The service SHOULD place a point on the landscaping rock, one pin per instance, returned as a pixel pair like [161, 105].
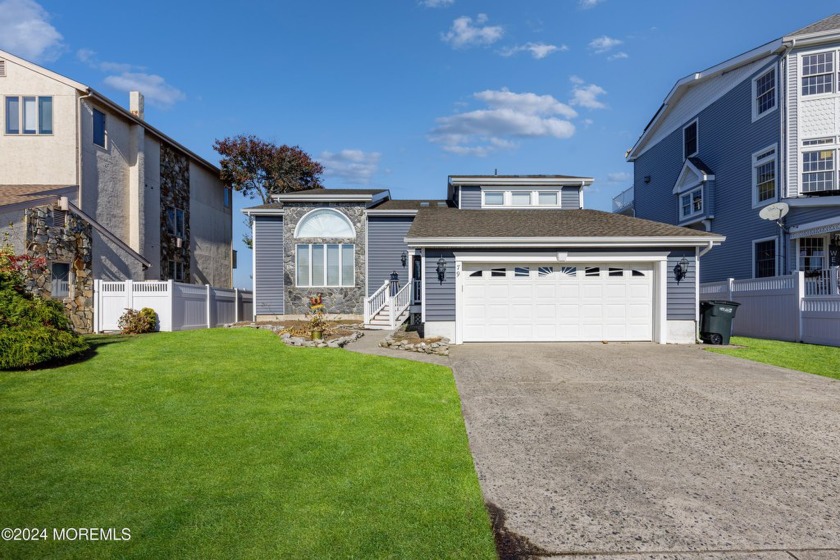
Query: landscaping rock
[440, 347]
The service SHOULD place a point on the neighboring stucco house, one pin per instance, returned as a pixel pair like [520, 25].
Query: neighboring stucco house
[136, 204]
[502, 258]
[758, 129]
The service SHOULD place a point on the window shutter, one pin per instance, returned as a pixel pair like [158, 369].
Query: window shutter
[2, 68]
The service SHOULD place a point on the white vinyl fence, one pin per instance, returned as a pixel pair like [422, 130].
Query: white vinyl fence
[792, 308]
[179, 306]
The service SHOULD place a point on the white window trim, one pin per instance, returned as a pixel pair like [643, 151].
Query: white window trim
[755, 114]
[688, 193]
[340, 266]
[801, 75]
[810, 149]
[697, 150]
[755, 163]
[826, 239]
[755, 242]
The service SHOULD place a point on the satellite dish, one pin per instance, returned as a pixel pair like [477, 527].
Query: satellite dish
[774, 212]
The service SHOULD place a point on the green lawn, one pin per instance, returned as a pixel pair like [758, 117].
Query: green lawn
[226, 444]
[810, 358]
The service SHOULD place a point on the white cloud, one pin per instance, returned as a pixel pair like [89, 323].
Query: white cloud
[436, 3]
[618, 56]
[89, 57]
[586, 4]
[604, 44]
[153, 87]
[537, 50]
[619, 177]
[353, 166]
[27, 32]
[586, 95]
[507, 116]
[464, 34]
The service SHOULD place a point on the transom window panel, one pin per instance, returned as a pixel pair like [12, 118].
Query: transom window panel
[592, 271]
[325, 264]
[690, 140]
[568, 271]
[764, 176]
[691, 203]
[765, 258]
[521, 198]
[616, 272]
[494, 199]
[765, 92]
[29, 115]
[497, 272]
[325, 222]
[818, 171]
[521, 271]
[547, 198]
[545, 271]
[818, 73]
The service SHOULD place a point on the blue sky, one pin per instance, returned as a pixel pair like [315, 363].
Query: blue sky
[402, 93]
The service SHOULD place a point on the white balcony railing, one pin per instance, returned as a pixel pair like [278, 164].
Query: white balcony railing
[623, 200]
[823, 282]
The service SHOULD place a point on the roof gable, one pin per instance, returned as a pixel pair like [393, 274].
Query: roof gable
[825, 25]
[693, 173]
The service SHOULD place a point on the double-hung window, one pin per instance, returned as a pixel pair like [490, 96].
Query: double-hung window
[811, 253]
[818, 171]
[818, 73]
[764, 93]
[764, 176]
[29, 115]
[690, 140]
[691, 203]
[764, 258]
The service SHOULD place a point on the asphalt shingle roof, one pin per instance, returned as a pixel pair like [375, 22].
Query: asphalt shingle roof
[408, 204]
[335, 191]
[15, 194]
[505, 224]
[827, 24]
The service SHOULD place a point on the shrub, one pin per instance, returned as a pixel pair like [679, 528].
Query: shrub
[138, 322]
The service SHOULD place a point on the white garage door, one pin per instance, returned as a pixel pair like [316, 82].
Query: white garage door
[527, 302]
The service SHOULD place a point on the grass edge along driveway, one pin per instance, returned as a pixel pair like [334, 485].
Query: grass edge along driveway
[810, 358]
[224, 443]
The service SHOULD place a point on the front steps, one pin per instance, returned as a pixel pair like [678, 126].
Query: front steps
[381, 322]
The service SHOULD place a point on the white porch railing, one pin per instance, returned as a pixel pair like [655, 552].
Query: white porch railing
[790, 307]
[376, 302]
[399, 303]
[824, 283]
[178, 306]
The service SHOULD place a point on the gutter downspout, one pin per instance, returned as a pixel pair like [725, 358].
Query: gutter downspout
[79, 144]
[706, 249]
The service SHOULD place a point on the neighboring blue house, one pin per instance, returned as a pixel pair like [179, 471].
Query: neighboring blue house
[758, 129]
[502, 258]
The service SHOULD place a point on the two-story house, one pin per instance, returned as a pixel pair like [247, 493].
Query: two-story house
[759, 129]
[101, 193]
[501, 258]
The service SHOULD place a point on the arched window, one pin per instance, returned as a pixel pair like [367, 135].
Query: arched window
[325, 264]
[325, 222]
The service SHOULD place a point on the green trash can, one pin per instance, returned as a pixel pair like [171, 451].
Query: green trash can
[716, 320]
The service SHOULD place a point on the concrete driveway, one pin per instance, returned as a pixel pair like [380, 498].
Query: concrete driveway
[634, 450]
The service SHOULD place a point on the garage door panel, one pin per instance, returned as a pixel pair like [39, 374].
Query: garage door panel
[523, 302]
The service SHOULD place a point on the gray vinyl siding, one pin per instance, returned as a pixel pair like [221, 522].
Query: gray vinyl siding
[439, 297]
[268, 265]
[386, 243]
[570, 198]
[470, 198]
[681, 297]
[727, 139]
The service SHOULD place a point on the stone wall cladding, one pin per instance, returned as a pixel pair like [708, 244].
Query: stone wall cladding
[337, 300]
[70, 244]
[174, 192]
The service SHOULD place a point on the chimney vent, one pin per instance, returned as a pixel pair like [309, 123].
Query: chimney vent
[135, 104]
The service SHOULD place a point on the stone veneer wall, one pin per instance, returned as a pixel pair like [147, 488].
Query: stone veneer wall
[174, 192]
[347, 300]
[70, 244]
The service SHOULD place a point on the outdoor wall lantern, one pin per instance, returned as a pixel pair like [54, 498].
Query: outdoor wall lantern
[441, 269]
[681, 269]
[647, 179]
[404, 258]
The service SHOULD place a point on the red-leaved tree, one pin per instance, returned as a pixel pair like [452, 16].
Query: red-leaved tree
[259, 169]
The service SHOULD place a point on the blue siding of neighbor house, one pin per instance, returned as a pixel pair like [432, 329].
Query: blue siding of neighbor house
[570, 198]
[268, 265]
[727, 139]
[386, 243]
[682, 295]
[440, 296]
[470, 197]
